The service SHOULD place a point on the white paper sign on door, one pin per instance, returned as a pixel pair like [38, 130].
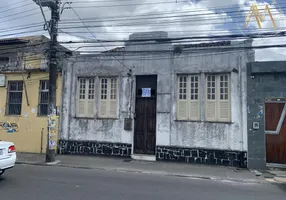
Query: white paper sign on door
[146, 92]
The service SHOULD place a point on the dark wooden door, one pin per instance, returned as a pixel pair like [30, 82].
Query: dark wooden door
[145, 115]
[275, 125]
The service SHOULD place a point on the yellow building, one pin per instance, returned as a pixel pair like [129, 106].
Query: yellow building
[24, 93]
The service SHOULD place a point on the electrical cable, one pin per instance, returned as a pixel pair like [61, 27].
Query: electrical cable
[12, 19]
[269, 34]
[150, 16]
[95, 36]
[11, 4]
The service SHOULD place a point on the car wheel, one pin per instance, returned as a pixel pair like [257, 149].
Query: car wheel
[2, 172]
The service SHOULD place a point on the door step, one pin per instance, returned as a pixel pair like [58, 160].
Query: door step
[143, 157]
[276, 165]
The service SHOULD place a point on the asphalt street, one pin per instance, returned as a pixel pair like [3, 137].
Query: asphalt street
[26, 182]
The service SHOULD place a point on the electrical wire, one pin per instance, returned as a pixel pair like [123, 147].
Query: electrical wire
[153, 24]
[34, 25]
[95, 37]
[7, 51]
[15, 8]
[151, 16]
[233, 36]
[125, 25]
[23, 32]
[24, 16]
[25, 11]
[11, 4]
[152, 3]
[169, 31]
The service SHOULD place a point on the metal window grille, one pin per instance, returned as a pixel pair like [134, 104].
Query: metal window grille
[43, 107]
[14, 100]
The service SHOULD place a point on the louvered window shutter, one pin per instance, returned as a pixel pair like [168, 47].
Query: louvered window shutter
[194, 105]
[182, 103]
[81, 106]
[224, 98]
[112, 108]
[90, 98]
[211, 98]
[103, 100]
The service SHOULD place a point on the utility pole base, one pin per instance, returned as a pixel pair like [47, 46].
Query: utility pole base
[50, 155]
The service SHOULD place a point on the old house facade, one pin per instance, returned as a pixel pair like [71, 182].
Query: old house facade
[266, 114]
[159, 101]
[24, 92]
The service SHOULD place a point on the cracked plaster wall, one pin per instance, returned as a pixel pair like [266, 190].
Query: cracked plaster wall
[166, 65]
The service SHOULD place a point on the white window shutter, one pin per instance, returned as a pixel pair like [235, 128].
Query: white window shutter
[210, 110]
[194, 95]
[112, 97]
[182, 108]
[81, 108]
[90, 108]
[194, 110]
[102, 108]
[224, 111]
[113, 108]
[224, 98]
[81, 104]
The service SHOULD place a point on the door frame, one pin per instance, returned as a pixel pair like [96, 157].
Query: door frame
[280, 122]
[134, 101]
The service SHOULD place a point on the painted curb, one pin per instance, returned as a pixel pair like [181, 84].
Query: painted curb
[192, 176]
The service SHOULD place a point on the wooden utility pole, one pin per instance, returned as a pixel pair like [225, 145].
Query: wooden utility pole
[52, 27]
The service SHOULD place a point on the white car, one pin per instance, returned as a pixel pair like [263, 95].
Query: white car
[7, 156]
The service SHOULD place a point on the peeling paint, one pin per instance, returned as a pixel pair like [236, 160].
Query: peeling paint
[166, 66]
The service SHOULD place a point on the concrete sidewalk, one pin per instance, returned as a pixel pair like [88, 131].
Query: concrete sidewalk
[275, 175]
[159, 168]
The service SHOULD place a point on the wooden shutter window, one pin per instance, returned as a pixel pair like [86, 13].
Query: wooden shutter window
[194, 106]
[182, 105]
[103, 98]
[218, 98]
[224, 104]
[113, 98]
[86, 97]
[90, 98]
[108, 98]
[211, 98]
[188, 101]
[81, 97]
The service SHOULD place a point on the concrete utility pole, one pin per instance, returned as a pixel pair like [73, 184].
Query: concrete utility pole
[52, 26]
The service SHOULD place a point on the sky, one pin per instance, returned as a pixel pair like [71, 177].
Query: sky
[117, 19]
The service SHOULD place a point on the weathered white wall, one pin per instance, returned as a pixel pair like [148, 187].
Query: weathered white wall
[166, 65]
[209, 134]
[109, 130]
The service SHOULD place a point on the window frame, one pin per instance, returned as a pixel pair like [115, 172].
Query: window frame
[192, 84]
[88, 109]
[219, 104]
[110, 100]
[8, 97]
[40, 98]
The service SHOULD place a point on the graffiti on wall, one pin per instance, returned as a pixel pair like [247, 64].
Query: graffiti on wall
[9, 127]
